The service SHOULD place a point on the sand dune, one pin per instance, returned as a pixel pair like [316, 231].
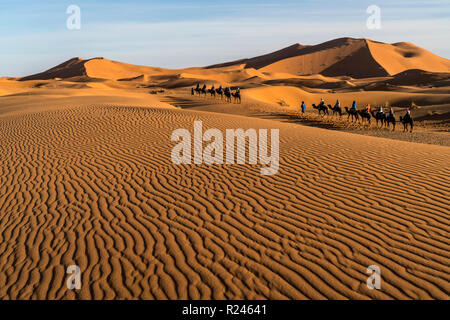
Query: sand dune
[94, 186]
[94, 68]
[86, 178]
[359, 58]
[402, 56]
[294, 96]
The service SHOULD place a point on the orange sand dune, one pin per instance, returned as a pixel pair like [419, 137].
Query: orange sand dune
[95, 187]
[294, 96]
[343, 57]
[402, 56]
[86, 179]
[275, 95]
[94, 68]
[19, 101]
[359, 58]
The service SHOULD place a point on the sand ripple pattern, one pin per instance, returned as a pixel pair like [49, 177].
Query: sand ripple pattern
[95, 187]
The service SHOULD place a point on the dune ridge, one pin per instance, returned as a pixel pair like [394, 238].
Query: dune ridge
[359, 58]
[94, 68]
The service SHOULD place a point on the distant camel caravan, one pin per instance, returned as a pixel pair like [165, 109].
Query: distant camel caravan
[220, 92]
[383, 120]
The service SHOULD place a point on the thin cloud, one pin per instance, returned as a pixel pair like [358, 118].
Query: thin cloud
[196, 42]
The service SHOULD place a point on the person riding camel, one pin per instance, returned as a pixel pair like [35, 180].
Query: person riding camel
[380, 110]
[227, 90]
[204, 87]
[353, 106]
[408, 112]
[391, 112]
[198, 86]
[338, 104]
[322, 102]
[367, 109]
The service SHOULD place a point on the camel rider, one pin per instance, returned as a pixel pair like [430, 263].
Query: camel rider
[408, 112]
[198, 86]
[338, 104]
[227, 89]
[220, 87]
[354, 105]
[204, 87]
[238, 91]
[380, 111]
[322, 102]
[391, 112]
[212, 88]
[367, 108]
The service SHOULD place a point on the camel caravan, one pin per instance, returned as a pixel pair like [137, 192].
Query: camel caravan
[362, 116]
[365, 115]
[220, 92]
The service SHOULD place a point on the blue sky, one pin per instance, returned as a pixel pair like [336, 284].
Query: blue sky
[170, 33]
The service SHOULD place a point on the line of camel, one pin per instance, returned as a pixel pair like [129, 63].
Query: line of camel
[229, 96]
[365, 116]
[356, 115]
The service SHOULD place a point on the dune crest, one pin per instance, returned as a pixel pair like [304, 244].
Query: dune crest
[359, 58]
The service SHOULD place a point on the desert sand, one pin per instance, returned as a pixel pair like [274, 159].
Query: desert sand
[86, 179]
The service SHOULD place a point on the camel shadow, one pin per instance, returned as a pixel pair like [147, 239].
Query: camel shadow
[307, 120]
[184, 103]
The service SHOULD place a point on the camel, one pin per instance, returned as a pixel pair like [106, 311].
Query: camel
[237, 97]
[390, 118]
[365, 116]
[227, 95]
[352, 113]
[203, 90]
[197, 89]
[212, 91]
[219, 91]
[336, 109]
[322, 108]
[407, 119]
[380, 117]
